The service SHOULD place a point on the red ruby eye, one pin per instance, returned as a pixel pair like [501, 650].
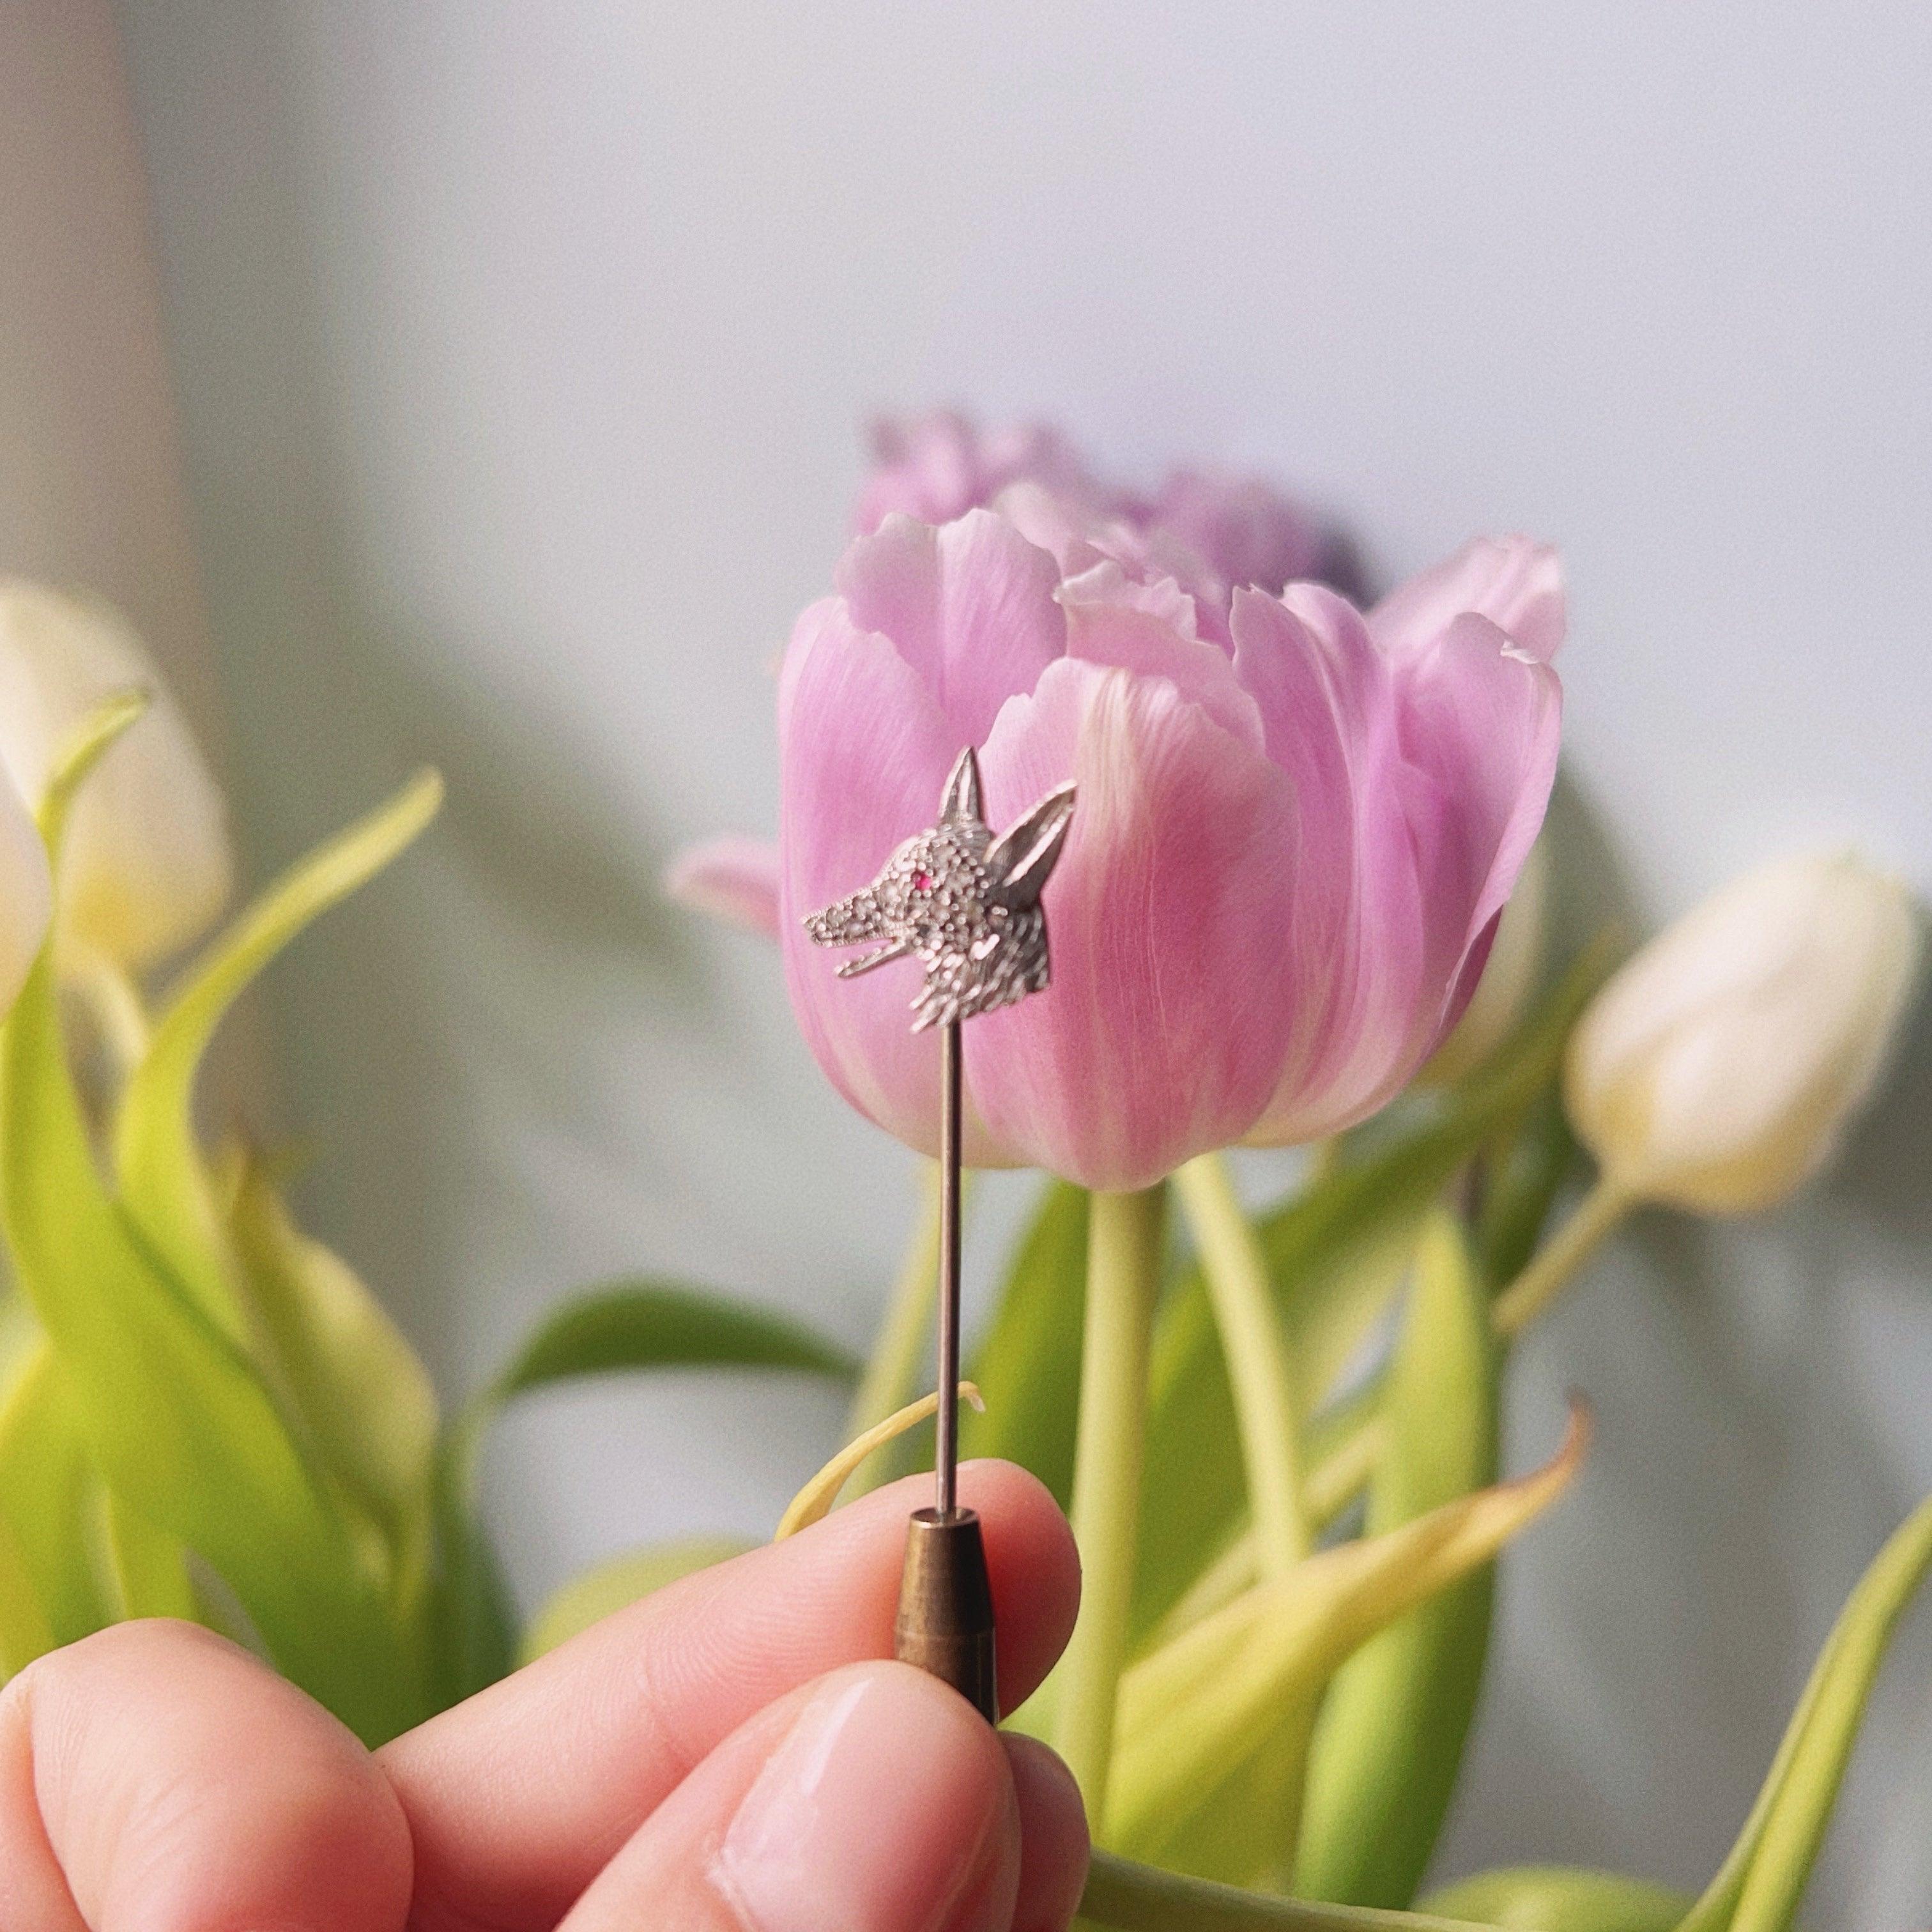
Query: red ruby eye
[922, 882]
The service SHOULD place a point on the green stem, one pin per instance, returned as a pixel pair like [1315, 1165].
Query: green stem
[1342, 1451]
[1124, 1241]
[1255, 1350]
[1553, 1265]
[893, 1370]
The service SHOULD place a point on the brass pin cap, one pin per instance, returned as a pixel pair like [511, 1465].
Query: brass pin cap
[945, 1622]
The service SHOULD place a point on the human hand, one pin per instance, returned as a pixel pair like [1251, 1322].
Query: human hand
[728, 1756]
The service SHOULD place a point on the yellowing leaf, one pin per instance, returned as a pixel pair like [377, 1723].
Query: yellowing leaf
[162, 1176]
[813, 1502]
[1195, 1715]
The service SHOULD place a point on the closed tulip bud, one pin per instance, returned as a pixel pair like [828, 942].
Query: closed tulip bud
[147, 864]
[26, 893]
[1718, 1070]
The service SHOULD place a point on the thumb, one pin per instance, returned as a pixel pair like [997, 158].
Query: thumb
[872, 1800]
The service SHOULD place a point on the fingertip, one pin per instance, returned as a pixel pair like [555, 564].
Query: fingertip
[870, 1800]
[1054, 1845]
[180, 1782]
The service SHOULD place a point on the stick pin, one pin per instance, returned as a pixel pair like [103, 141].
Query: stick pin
[967, 906]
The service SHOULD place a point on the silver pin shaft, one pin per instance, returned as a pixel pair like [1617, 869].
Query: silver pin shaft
[947, 1457]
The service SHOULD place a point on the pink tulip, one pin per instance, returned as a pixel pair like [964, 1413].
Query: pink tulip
[1287, 862]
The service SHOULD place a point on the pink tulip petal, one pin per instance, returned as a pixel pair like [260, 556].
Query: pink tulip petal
[863, 751]
[1075, 534]
[1329, 698]
[1147, 628]
[1323, 693]
[1172, 994]
[1483, 718]
[1082, 536]
[1449, 802]
[863, 755]
[732, 877]
[969, 606]
[1516, 583]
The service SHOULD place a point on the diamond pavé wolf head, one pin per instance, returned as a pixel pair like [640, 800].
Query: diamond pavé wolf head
[964, 904]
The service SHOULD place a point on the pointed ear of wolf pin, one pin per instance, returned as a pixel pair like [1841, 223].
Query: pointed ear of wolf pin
[965, 903]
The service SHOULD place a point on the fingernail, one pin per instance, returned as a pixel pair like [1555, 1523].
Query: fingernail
[879, 1812]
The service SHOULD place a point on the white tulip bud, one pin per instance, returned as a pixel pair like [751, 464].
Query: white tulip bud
[1514, 966]
[146, 865]
[26, 893]
[1717, 1069]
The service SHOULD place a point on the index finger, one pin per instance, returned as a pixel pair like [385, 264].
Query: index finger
[518, 1798]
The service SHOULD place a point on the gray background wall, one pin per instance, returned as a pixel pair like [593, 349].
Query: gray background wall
[519, 349]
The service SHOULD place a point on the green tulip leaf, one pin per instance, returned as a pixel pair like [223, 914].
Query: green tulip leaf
[24, 1631]
[1028, 1363]
[1559, 1898]
[148, 1567]
[1389, 1744]
[1197, 1715]
[163, 1178]
[48, 1491]
[361, 1392]
[608, 1587]
[1758, 1887]
[628, 1325]
[1124, 1896]
[472, 1624]
[1337, 1254]
[176, 1418]
[654, 1325]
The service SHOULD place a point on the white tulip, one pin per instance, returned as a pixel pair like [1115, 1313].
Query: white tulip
[147, 864]
[26, 893]
[1718, 1070]
[1514, 966]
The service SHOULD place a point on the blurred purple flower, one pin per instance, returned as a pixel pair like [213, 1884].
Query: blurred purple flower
[1226, 531]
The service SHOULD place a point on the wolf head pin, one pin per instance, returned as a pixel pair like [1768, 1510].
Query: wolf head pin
[964, 904]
